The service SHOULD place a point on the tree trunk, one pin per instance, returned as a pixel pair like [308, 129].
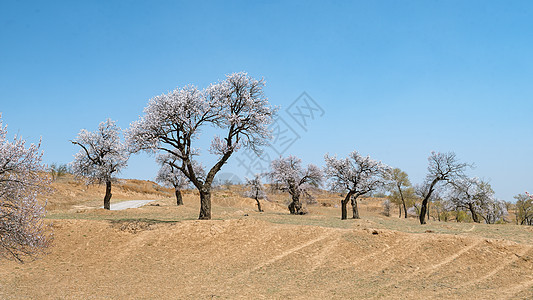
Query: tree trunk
[428, 209]
[258, 205]
[179, 198]
[107, 197]
[473, 212]
[257, 200]
[344, 203]
[355, 210]
[205, 204]
[295, 207]
[400, 210]
[205, 187]
[403, 202]
[423, 209]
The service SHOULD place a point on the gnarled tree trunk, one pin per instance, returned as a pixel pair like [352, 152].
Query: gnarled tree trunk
[344, 203]
[355, 210]
[205, 204]
[107, 197]
[205, 187]
[179, 198]
[473, 212]
[423, 209]
[295, 207]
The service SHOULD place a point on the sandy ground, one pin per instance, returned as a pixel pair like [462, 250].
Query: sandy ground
[247, 258]
[160, 252]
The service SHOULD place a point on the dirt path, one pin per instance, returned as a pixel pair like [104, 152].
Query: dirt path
[129, 204]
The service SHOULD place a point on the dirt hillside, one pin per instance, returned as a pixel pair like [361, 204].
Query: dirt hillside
[161, 252]
[69, 193]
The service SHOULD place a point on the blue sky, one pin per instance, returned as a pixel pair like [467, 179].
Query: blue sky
[395, 79]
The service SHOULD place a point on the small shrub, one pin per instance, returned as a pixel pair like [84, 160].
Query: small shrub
[462, 216]
[58, 170]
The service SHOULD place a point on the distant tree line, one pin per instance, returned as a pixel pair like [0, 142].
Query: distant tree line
[239, 110]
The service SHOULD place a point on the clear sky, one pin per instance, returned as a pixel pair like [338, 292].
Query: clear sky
[393, 79]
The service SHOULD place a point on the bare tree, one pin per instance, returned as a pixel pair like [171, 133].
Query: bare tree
[255, 190]
[58, 170]
[398, 185]
[471, 194]
[494, 211]
[172, 122]
[171, 176]
[442, 168]
[355, 175]
[436, 197]
[289, 175]
[524, 209]
[23, 233]
[101, 157]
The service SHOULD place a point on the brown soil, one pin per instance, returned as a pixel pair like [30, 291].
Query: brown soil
[161, 252]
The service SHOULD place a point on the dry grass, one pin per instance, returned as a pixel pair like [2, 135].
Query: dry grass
[162, 251]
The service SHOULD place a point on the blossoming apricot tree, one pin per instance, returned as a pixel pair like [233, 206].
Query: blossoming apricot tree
[172, 122]
[23, 233]
[356, 175]
[101, 157]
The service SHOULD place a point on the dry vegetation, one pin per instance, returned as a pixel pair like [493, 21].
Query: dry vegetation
[162, 251]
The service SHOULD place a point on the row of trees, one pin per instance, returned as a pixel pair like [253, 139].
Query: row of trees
[239, 110]
[238, 107]
[171, 123]
[354, 176]
[464, 196]
[102, 155]
[461, 196]
[357, 175]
